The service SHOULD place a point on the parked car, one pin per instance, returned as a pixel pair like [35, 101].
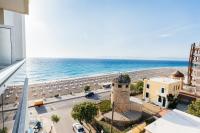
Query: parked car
[107, 86]
[78, 128]
[89, 94]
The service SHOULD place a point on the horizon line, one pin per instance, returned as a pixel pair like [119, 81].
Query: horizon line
[115, 58]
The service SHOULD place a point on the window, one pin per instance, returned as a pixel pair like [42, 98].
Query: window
[119, 86]
[159, 99]
[126, 86]
[162, 90]
[148, 86]
[113, 84]
[147, 95]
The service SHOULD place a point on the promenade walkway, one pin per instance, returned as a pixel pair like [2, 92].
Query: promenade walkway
[12, 107]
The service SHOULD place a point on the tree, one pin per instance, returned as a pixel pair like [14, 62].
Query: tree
[132, 87]
[55, 118]
[137, 87]
[105, 106]
[124, 78]
[87, 88]
[85, 111]
[4, 130]
[194, 108]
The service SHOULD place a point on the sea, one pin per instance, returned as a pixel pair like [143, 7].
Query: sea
[46, 69]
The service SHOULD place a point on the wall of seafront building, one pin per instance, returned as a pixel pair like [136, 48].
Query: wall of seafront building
[17, 21]
[12, 30]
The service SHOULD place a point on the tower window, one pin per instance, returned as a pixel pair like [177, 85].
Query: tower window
[159, 99]
[147, 95]
[119, 86]
[162, 90]
[148, 86]
[126, 86]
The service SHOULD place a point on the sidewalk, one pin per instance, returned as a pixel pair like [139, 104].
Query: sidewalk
[68, 97]
[12, 107]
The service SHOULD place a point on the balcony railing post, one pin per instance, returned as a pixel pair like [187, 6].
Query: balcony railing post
[21, 116]
[2, 111]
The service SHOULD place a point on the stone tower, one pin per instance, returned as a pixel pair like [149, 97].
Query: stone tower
[120, 93]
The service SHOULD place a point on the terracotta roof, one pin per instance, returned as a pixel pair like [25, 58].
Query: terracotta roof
[178, 74]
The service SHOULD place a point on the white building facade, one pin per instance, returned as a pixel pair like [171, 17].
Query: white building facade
[12, 31]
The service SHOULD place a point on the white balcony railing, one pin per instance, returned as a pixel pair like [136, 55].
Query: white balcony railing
[21, 120]
[7, 72]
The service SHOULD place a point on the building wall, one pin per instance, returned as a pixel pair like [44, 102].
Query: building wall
[154, 91]
[121, 97]
[1, 16]
[196, 80]
[5, 46]
[16, 22]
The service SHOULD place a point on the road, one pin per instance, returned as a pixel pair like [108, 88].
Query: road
[63, 109]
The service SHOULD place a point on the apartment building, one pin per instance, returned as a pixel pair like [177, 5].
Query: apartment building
[194, 69]
[159, 90]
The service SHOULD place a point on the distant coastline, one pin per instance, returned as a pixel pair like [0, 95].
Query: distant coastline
[183, 69]
[114, 58]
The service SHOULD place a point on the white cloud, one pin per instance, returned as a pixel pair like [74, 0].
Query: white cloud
[165, 35]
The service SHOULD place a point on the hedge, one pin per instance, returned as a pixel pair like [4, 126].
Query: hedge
[105, 106]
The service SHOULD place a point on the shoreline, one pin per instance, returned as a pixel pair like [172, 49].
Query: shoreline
[51, 89]
[98, 75]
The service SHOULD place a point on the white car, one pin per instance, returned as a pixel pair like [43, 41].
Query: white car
[78, 128]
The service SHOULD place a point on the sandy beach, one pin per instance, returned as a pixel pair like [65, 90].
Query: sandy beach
[70, 86]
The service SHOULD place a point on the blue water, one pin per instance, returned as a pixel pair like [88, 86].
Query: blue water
[44, 69]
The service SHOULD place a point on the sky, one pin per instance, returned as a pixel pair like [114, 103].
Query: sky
[149, 29]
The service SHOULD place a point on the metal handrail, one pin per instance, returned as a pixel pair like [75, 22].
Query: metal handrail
[7, 72]
[21, 120]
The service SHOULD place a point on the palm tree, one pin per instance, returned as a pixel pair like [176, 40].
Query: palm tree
[54, 119]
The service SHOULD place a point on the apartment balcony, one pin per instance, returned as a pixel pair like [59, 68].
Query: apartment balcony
[12, 55]
[196, 67]
[196, 62]
[197, 54]
[12, 49]
[197, 47]
[18, 125]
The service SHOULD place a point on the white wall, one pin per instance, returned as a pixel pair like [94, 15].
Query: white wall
[17, 21]
[5, 46]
